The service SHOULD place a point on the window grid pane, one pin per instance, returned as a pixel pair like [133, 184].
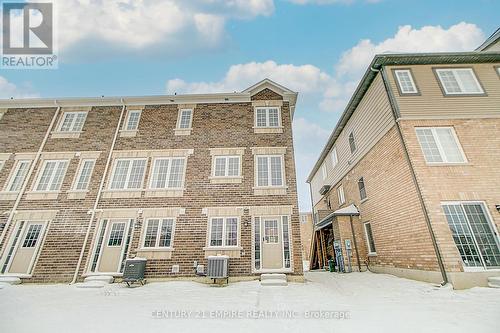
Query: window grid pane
[261, 118]
[133, 120]
[176, 173]
[449, 145]
[429, 145]
[32, 235]
[79, 121]
[120, 174]
[116, 234]
[151, 233]
[271, 231]
[220, 166]
[185, 121]
[257, 242]
[67, 121]
[362, 189]
[369, 235]
[21, 171]
[276, 176]
[85, 174]
[273, 117]
[262, 171]
[216, 232]
[233, 166]
[58, 176]
[449, 82]
[467, 81]
[136, 174]
[160, 173]
[286, 242]
[231, 232]
[166, 233]
[405, 81]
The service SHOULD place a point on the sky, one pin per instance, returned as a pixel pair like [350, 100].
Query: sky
[319, 48]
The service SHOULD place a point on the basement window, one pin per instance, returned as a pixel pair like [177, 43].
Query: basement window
[369, 239]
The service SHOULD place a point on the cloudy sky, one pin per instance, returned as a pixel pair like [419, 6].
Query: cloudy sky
[319, 48]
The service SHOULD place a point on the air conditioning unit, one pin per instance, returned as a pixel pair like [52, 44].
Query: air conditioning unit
[217, 267]
[324, 189]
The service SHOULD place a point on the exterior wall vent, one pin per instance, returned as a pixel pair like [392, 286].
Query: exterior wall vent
[323, 190]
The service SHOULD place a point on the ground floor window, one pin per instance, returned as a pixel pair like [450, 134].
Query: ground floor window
[369, 238]
[158, 233]
[223, 231]
[473, 234]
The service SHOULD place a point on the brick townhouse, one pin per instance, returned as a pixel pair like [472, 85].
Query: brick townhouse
[409, 180]
[88, 182]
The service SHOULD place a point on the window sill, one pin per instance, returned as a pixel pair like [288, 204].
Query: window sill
[8, 195]
[226, 180]
[164, 193]
[364, 200]
[445, 164]
[42, 195]
[182, 131]
[260, 130]
[108, 194]
[128, 133]
[65, 135]
[77, 194]
[373, 254]
[278, 190]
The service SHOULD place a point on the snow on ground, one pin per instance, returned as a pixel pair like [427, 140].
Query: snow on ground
[374, 302]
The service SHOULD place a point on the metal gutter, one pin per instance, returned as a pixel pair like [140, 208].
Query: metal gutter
[395, 112]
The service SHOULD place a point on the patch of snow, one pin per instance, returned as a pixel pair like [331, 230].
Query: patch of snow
[367, 301]
[305, 265]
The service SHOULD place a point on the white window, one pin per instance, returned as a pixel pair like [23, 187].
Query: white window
[340, 194]
[323, 170]
[128, 174]
[270, 170]
[362, 188]
[52, 175]
[405, 81]
[440, 145]
[116, 234]
[226, 166]
[457, 81]
[167, 173]
[18, 176]
[72, 121]
[32, 235]
[474, 233]
[84, 174]
[352, 142]
[185, 119]
[158, 233]
[334, 157]
[223, 231]
[133, 118]
[267, 117]
[369, 238]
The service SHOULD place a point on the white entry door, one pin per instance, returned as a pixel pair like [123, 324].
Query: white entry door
[23, 247]
[111, 246]
[272, 244]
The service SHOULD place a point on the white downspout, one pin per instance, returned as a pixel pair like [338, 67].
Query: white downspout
[99, 192]
[28, 176]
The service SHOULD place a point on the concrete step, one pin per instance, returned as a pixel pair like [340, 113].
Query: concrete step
[10, 280]
[494, 282]
[105, 279]
[273, 283]
[90, 284]
[273, 276]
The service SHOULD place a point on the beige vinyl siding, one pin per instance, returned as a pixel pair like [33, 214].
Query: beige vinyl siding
[371, 120]
[431, 103]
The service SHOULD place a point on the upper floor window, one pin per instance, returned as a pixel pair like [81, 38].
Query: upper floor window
[405, 81]
[341, 195]
[72, 121]
[459, 81]
[440, 145]
[185, 119]
[226, 166]
[223, 231]
[128, 174]
[362, 189]
[369, 238]
[168, 173]
[323, 170]
[84, 174]
[267, 117]
[18, 176]
[1, 164]
[158, 233]
[334, 157]
[270, 170]
[52, 175]
[133, 117]
[352, 143]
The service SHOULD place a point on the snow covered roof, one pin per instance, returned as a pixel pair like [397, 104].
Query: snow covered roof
[350, 210]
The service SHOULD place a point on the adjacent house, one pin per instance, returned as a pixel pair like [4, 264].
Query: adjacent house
[409, 180]
[88, 182]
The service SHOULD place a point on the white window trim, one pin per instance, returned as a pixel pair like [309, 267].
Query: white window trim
[223, 246]
[183, 181]
[156, 247]
[280, 124]
[2, 163]
[414, 86]
[283, 178]
[367, 239]
[79, 174]
[125, 124]
[324, 172]
[115, 162]
[490, 221]
[63, 117]
[459, 82]
[334, 157]
[226, 170]
[179, 119]
[13, 174]
[440, 147]
[341, 194]
[40, 173]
